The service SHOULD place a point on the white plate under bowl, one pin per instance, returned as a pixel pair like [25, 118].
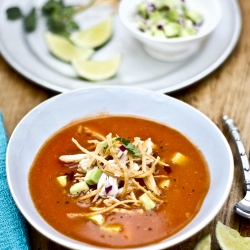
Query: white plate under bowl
[29, 55]
[50, 116]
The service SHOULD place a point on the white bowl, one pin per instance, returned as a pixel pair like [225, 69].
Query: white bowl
[47, 118]
[173, 49]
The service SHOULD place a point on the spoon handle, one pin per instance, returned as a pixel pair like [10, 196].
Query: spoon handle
[240, 150]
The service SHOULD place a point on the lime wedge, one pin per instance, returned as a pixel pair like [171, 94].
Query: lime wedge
[230, 239]
[93, 37]
[204, 243]
[97, 70]
[63, 49]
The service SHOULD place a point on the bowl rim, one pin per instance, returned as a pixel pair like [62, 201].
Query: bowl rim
[124, 18]
[159, 245]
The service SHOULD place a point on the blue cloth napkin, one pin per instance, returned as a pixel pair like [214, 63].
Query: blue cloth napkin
[13, 229]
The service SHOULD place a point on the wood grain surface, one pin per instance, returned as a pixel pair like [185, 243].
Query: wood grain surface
[225, 91]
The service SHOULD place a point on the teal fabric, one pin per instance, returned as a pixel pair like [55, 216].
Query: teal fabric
[13, 228]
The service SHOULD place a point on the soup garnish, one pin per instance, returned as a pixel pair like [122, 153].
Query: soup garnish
[108, 177]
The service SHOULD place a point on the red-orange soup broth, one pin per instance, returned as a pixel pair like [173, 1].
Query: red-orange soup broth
[189, 182]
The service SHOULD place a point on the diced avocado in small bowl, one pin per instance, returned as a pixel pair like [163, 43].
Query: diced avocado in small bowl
[170, 30]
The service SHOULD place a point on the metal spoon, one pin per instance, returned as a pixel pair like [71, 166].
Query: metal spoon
[242, 207]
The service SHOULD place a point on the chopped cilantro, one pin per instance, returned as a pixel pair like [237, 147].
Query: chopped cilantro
[30, 21]
[59, 16]
[13, 13]
[129, 146]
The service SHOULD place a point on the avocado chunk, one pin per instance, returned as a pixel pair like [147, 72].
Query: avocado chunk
[62, 180]
[155, 17]
[194, 16]
[173, 3]
[142, 9]
[147, 203]
[159, 34]
[142, 26]
[79, 187]
[188, 32]
[105, 143]
[173, 15]
[92, 177]
[172, 29]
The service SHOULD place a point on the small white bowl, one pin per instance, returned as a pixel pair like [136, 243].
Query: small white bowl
[173, 49]
[50, 116]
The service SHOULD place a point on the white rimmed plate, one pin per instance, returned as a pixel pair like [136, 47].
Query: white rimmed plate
[47, 118]
[29, 56]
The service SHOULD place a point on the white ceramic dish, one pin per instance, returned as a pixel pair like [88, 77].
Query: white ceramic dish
[172, 49]
[47, 118]
[137, 69]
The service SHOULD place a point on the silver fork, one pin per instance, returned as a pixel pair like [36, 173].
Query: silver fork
[242, 207]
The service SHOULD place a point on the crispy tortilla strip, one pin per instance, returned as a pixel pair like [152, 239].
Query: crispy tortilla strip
[132, 195]
[107, 209]
[161, 176]
[96, 208]
[150, 181]
[151, 170]
[93, 160]
[159, 162]
[128, 211]
[110, 144]
[94, 141]
[93, 133]
[137, 141]
[148, 173]
[111, 170]
[92, 193]
[94, 155]
[151, 196]
[131, 163]
[110, 201]
[72, 158]
[151, 185]
[143, 158]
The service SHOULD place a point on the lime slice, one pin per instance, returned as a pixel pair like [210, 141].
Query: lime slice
[230, 239]
[204, 243]
[93, 37]
[63, 49]
[97, 70]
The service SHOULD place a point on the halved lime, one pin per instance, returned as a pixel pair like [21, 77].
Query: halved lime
[63, 49]
[204, 243]
[95, 36]
[230, 239]
[97, 70]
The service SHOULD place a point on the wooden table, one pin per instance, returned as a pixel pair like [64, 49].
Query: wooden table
[225, 91]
